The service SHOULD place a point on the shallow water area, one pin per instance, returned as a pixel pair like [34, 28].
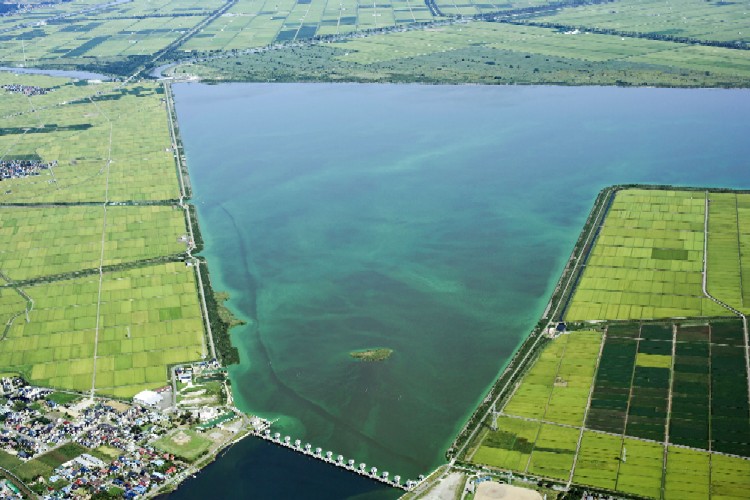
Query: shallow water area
[431, 220]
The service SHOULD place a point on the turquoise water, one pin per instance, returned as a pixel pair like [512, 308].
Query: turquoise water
[431, 220]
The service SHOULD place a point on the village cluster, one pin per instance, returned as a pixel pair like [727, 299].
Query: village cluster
[97, 447]
[28, 90]
[12, 169]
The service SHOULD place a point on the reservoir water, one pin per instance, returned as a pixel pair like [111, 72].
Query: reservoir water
[432, 220]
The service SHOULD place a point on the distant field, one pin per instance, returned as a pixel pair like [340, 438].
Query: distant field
[128, 126]
[473, 7]
[720, 21]
[256, 23]
[117, 36]
[643, 42]
[490, 52]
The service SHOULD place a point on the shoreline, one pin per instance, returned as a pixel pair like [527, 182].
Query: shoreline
[215, 328]
[469, 437]
[517, 366]
[564, 288]
[557, 297]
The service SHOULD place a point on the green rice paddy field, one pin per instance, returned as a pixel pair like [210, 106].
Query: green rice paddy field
[148, 318]
[661, 408]
[648, 259]
[46, 241]
[125, 125]
[67, 329]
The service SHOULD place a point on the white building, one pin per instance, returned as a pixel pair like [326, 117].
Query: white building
[147, 398]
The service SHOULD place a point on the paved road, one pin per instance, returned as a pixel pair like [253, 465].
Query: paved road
[188, 218]
[106, 168]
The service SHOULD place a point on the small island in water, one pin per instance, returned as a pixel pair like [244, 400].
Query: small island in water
[376, 354]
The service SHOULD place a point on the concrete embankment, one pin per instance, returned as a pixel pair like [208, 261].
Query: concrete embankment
[336, 460]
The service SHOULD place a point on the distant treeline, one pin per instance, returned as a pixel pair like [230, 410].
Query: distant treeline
[536, 10]
[662, 37]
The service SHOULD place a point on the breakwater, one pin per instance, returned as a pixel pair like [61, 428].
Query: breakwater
[336, 460]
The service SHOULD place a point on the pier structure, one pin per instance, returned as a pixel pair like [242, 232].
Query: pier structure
[338, 460]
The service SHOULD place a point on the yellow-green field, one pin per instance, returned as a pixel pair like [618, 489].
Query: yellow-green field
[647, 261]
[730, 477]
[47, 241]
[557, 386]
[688, 474]
[640, 468]
[113, 146]
[554, 450]
[109, 202]
[149, 318]
[729, 249]
[510, 446]
[599, 460]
